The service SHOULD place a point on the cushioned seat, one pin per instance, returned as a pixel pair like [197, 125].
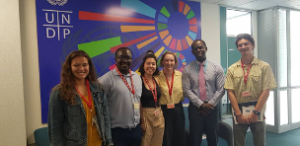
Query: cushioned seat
[41, 136]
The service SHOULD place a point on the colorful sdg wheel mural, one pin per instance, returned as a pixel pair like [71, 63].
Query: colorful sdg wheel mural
[173, 28]
[141, 25]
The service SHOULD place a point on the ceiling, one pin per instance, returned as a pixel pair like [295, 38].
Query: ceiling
[254, 4]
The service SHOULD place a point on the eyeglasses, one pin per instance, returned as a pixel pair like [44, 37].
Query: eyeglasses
[124, 58]
[196, 48]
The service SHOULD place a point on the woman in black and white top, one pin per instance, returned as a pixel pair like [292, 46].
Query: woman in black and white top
[152, 120]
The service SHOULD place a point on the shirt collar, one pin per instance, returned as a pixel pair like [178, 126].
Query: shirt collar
[176, 73]
[198, 63]
[254, 61]
[116, 73]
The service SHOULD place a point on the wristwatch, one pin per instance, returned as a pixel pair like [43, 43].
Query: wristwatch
[256, 112]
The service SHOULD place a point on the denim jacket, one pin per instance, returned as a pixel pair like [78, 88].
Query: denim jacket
[67, 124]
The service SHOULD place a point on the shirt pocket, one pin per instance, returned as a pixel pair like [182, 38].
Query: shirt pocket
[256, 82]
[238, 80]
[74, 110]
[98, 98]
[255, 79]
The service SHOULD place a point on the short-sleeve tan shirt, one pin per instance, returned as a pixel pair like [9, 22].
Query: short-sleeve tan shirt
[260, 78]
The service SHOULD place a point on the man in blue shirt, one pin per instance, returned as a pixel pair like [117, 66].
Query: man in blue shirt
[123, 88]
[203, 82]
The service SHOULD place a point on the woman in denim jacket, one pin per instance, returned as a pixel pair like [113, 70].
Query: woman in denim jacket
[78, 110]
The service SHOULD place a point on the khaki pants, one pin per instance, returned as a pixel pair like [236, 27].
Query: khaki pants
[258, 130]
[155, 127]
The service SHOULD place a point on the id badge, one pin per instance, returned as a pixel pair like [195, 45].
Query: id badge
[94, 121]
[156, 112]
[136, 105]
[246, 94]
[170, 106]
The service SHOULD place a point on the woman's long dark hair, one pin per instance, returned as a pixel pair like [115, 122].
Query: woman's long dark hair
[150, 54]
[67, 79]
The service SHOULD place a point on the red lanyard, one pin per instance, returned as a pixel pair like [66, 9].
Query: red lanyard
[245, 75]
[131, 90]
[153, 93]
[88, 102]
[170, 89]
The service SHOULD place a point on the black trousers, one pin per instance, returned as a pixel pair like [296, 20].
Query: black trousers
[200, 124]
[127, 137]
[174, 126]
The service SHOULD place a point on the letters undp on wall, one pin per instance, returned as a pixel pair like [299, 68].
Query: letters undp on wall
[100, 27]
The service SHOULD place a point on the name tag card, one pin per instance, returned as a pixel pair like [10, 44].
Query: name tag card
[170, 106]
[156, 112]
[246, 94]
[136, 105]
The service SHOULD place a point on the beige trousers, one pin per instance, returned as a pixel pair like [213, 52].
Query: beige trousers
[258, 130]
[155, 127]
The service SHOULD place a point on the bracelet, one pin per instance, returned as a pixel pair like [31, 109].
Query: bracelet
[256, 112]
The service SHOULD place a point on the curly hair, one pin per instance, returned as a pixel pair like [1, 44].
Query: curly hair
[163, 58]
[150, 54]
[67, 79]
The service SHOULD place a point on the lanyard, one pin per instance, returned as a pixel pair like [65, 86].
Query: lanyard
[170, 88]
[245, 75]
[131, 90]
[153, 93]
[197, 66]
[88, 102]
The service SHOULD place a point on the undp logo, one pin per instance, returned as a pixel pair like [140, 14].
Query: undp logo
[57, 2]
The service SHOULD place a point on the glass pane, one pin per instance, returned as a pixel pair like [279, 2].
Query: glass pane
[282, 60]
[270, 109]
[238, 22]
[295, 105]
[295, 51]
[283, 107]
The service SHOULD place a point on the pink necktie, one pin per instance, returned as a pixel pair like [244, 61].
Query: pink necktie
[202, 87]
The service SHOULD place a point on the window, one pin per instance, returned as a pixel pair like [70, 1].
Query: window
[270, 113]
[295, 51]
[283, 107]
[238, 22]
[282, 47]
[295, 105]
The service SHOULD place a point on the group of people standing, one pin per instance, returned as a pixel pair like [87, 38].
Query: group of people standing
[123, 108]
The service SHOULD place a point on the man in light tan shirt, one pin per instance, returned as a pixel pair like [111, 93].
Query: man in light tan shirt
[248, 83]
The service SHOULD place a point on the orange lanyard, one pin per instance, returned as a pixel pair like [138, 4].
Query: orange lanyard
[153, 93]
[170, 88]
[88, 102]
[131, 90]
[246, 75]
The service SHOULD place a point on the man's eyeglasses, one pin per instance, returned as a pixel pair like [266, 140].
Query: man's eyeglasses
[196, 48]
[124, 58]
